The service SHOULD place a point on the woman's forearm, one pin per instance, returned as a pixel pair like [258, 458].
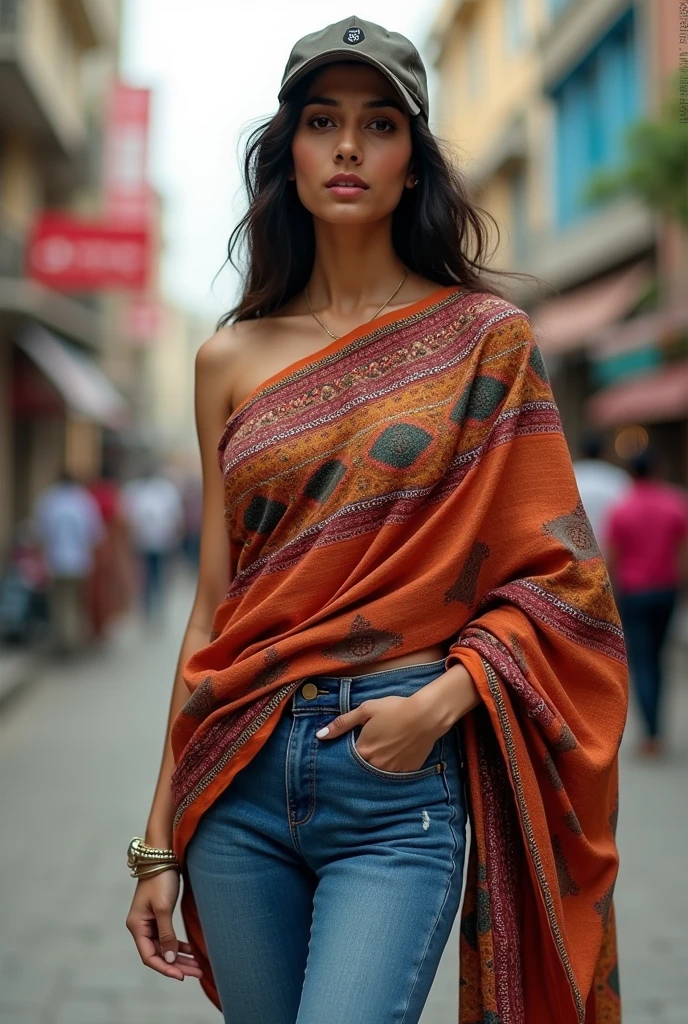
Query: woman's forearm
[159, 827]
[447, 699]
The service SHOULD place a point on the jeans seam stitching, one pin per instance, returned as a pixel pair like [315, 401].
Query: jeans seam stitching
[444, 901]
[311, 772]
[290, 824]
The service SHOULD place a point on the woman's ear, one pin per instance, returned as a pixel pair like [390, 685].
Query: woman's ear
[411, 180]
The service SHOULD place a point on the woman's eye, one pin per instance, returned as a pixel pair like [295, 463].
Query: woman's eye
[388, 124]
[317, 122]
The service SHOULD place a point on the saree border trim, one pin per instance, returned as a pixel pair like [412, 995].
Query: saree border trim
[267, 388]
[229, 752]
[495, 690]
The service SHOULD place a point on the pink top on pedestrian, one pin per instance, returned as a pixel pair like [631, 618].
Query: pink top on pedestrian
[646, 530]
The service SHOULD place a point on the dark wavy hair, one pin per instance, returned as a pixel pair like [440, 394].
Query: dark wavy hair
[436, 230]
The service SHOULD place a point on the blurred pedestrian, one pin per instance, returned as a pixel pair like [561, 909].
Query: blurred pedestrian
[111, 583]
[24, 588]
[647, 541]
[601, 485]
[155, 515]
[70, 529]
[192, 499]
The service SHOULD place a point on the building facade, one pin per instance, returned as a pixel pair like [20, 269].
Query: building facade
[56, 60]
[538, 96]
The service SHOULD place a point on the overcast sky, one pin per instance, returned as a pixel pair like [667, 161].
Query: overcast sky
[215, 66]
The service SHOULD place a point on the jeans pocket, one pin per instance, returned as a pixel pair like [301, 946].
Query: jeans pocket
[431, 766]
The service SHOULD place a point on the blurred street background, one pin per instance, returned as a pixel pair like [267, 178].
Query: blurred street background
[120, 127]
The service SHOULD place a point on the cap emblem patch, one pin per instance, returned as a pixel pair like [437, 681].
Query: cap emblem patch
[353, 36]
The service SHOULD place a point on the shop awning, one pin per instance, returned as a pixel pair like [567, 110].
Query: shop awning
[653, 328]
[82, 384]
[575, 320]
[650, 398]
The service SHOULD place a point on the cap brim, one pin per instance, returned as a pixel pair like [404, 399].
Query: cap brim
[330, 56]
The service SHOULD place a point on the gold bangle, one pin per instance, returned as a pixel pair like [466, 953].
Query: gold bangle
[141, 855]
[154, 869]
[140, 849]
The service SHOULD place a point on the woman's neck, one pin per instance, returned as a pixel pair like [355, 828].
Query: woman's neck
[354, 268]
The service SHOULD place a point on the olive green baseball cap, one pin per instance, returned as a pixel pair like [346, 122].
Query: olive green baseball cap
[357, 40]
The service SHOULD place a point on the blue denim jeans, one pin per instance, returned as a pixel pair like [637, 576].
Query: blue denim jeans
[326, 887]
[646, 618]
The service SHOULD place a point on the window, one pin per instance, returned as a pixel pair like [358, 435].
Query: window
[514, 24]
[595, 104]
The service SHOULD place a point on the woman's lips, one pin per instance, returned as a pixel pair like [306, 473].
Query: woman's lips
[346, 190]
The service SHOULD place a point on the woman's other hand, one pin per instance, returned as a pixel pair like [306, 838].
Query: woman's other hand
[150, 922]
[399, 732]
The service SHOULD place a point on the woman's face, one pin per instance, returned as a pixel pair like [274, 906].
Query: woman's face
[353, 121]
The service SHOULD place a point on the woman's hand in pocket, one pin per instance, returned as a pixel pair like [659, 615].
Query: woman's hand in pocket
[393, 737]
[150, 922]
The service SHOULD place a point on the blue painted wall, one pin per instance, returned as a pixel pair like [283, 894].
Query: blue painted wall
[557, 6]
[595, 104]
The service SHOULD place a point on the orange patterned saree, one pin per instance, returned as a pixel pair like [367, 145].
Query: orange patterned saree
[407, 485]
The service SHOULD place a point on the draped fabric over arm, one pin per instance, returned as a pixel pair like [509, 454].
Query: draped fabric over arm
[418, 463]
[544, 646]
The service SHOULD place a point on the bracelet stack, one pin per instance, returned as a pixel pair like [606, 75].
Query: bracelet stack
[145, 860]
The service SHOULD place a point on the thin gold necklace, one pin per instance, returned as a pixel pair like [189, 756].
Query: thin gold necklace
[335, 336]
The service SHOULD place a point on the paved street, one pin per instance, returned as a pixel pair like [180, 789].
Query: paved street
[79, 752]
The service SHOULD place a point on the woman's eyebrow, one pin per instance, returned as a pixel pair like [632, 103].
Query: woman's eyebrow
[327, 101]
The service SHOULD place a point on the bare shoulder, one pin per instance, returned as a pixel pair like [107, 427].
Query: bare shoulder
[221, 358]
[234, 360]
[225, 344]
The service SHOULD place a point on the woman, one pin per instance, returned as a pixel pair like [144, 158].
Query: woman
[410, 568]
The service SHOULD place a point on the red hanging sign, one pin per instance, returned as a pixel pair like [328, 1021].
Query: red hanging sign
[126, 192]
[75, 255]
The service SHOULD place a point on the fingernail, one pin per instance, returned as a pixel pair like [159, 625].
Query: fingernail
[169, 956]
[322, 732]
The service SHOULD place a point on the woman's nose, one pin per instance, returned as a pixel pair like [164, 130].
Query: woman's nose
[349, 154]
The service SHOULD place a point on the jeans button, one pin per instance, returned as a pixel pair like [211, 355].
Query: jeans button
[309, 691]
